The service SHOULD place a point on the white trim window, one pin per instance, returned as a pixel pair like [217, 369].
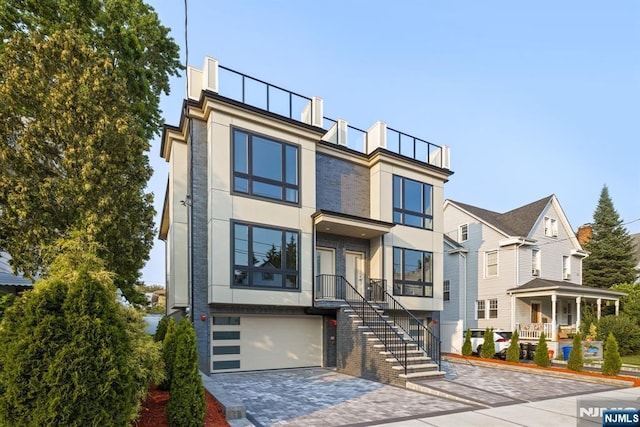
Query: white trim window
[493, 309]
[480, 309]
[491, 264]
[463, 233]
[535, 262]
[550, 227]
[566, 268]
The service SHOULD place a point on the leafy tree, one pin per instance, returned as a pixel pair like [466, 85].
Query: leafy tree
[79, 101]
[187, 404]
[624, 329]
[629, 303]
[488, 346]
[612, 257]
[71, 354]
[513, 352]
[576, 362]
[541, 356]
[466, 346]
[168, 353]
[612, 362]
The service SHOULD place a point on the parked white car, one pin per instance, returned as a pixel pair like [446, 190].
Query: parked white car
[501, 339]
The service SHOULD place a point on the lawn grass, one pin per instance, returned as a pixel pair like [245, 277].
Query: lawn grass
[634, 359]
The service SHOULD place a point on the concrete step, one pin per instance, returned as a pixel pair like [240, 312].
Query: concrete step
[412, 359]
[423, 367]
[428, 375]
[415, 352]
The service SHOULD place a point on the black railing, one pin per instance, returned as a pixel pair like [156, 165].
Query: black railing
[329, 287]
[356, 138]
[394, 342]
[261, 94]
[375, 290]
[413, 147]
[424, 337]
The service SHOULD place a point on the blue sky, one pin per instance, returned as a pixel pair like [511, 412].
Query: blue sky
[533, 98]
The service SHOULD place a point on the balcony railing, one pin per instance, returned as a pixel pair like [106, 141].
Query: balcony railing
[261, 94]
[533, 330]
[415, 148]
[330, 287]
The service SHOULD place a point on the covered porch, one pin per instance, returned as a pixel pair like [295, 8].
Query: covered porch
[554, 307]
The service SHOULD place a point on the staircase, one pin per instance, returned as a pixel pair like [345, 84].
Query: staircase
[378, 345]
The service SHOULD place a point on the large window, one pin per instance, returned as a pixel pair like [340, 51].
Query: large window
[412, 203]
[412, 273]
[263, 167]
[265, 257]
[491, 264]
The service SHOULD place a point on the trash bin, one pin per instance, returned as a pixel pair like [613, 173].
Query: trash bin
[565, 351]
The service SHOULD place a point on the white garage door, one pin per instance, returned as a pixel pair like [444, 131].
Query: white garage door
[249, 343]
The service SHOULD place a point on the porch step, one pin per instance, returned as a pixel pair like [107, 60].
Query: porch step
[422, 367]
[411, 359]
[428, 375]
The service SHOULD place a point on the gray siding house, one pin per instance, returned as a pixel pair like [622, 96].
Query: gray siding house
[521, 269]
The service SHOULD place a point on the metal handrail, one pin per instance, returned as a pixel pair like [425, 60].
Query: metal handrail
[430, 147]
[426, 339]
[371, 317]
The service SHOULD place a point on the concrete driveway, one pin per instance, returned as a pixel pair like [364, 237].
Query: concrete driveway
[323, 397]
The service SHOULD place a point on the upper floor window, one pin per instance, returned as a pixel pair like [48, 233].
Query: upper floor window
[266, 168]
[535, 262]
[412, 273]
[550, 227]
[265, 257]
[412, 203]
[446, 290]
[491, 264]
[463, 233]
[566, 268]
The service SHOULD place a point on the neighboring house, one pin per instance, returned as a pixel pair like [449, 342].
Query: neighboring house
[9, 282]
[636, 240]
[275, 217]
[520, 269]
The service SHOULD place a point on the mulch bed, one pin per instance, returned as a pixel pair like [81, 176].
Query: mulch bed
[153, 412]
[634, 380]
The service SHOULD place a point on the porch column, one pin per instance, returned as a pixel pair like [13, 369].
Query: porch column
[554, 299]
[599, 302]
[578, 310]
[617, 302]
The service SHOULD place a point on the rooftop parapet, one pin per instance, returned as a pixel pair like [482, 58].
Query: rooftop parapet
[260, 94]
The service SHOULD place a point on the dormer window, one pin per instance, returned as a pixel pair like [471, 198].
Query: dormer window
[550, 227]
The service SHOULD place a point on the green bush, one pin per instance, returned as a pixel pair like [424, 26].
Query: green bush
[161, 330]
[513, 352]
[612, 362]
[6, 301]
[71, 355]
[541, 356]
[466, 347]
[488, 345]
[625, 330]
[187, 404]
[576, 362]
[168, 353]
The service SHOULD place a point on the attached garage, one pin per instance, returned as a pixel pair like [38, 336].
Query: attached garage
[246, 343]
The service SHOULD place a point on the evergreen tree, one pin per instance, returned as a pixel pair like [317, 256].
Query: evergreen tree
[466, 346]
[488, 345]
[513, 352]
[161, 330]
[612, 361]
[79, 95]
[168, 353]
[187, 404]
[541, 356]
[612, 258]
[576, 362]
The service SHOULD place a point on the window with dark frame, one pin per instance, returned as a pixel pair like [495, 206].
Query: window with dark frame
[412, 273]
[265, 257]
[263, 167]
[446, 290]
[412, 203]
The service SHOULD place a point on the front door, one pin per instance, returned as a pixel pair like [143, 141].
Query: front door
[354, 270]
[326, 284]
[536, 315]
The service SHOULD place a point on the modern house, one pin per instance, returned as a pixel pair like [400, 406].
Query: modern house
[520, 269]
[295, 240]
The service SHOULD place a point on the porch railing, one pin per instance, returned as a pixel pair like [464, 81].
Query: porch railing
[330, 287]
[394, 342]
[533, 330]
[424, 337]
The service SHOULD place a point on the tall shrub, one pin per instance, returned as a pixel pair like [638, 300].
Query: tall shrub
[70, 354]
[488, 346]
[187, 404]
[576, 362]
[513, 352]
[168, 353]
[612, 362]
[466, 347]
[541, 357]
[624, 328]
[161, 330]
